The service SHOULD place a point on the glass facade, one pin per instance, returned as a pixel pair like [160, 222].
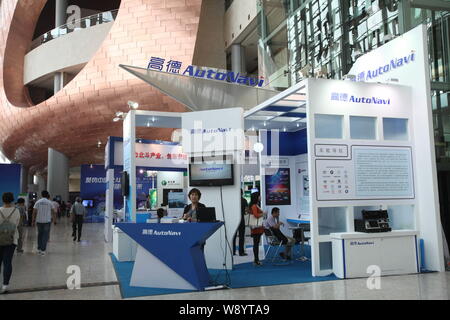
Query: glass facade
[323, 38]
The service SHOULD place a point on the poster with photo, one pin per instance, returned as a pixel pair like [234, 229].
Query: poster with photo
[278, 188]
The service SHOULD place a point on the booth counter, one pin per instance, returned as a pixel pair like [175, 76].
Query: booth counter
[170, 255]
[392, 252]
[124, 248]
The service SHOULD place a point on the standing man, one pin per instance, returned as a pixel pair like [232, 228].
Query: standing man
[43, 214]
[77, 213]
[23, 222]
[241, 228]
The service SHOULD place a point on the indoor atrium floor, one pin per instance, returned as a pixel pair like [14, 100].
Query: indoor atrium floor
[45, 277]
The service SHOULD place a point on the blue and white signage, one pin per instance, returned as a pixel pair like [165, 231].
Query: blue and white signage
[345, 97]
[397, 62]
[173, 66]
[176, 246]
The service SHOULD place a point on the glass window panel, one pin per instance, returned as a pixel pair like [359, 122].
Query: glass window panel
[395, 129]
[363, 128]
[332, 219]
[326, 257]
[328, 126]
[401, 217]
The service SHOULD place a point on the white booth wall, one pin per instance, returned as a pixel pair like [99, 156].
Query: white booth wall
[405, 60]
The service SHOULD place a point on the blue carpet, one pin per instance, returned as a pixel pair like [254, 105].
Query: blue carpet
[242, 275]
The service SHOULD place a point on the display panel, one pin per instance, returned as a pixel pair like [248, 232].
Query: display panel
[278, 188]
[88, 203]
[177, 200]
[215, 171]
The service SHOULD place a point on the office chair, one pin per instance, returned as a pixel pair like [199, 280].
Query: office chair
[299, 236]
[273, 242]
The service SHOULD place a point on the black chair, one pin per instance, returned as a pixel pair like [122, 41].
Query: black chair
[273, 243]
[300, 238]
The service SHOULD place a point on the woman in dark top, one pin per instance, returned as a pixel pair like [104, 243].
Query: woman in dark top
[190, 211]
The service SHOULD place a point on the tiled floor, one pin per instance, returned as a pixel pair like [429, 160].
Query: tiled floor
[43, 277]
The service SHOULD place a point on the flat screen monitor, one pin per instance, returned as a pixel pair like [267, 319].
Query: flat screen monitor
[88, 203]
[176, 200]
[212, 171]
[207, 214]
[165, 199]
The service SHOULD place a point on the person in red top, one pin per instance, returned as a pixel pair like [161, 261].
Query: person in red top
[256, 233]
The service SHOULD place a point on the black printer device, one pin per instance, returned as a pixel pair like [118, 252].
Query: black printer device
[373, 221]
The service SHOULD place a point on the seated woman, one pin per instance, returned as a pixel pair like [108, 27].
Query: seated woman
[190, 211]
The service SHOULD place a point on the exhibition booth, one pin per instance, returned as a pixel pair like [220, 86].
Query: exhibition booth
[352, 159]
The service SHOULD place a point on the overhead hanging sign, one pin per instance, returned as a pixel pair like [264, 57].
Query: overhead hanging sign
[173, 66]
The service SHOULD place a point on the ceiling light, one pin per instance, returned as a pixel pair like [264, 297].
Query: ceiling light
[133, 105]
[258, 147]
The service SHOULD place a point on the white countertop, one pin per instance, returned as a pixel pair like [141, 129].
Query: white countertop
[364, 235]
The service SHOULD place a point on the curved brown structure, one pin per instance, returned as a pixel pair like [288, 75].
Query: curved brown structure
[78, 116]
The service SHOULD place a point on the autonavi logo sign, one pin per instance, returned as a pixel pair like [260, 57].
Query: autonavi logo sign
[345, 97]
[173, 66]
[393, 64]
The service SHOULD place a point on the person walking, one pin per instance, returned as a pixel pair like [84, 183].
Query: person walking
[241, 228]
[77, 213]
[43, 214]
[9, 236]
[23, 222]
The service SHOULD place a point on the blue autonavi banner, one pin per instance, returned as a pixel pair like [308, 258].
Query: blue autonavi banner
[9, 180]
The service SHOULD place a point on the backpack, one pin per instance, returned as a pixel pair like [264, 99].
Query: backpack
[7, 230]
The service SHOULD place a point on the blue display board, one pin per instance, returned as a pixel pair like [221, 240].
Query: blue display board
[93, 187]
[10, 180]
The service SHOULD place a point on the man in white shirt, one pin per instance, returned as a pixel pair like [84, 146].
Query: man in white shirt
[43, 214]
[273, 223]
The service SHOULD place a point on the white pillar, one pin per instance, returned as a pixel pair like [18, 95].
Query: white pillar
[238, 59]
[109, 205]
[58, 174]
[61, 12]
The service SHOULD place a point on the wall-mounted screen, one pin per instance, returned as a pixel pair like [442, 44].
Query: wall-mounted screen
[88, 203]
[213, 171]
[177, 200]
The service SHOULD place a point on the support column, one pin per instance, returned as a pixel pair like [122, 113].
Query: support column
[61, 12]
[58, 174]
[59, 81]
[60, 19]
[238, 59]
[41, 185]
[24, 179]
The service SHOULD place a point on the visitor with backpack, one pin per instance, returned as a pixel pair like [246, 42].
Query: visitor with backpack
[9, 236]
